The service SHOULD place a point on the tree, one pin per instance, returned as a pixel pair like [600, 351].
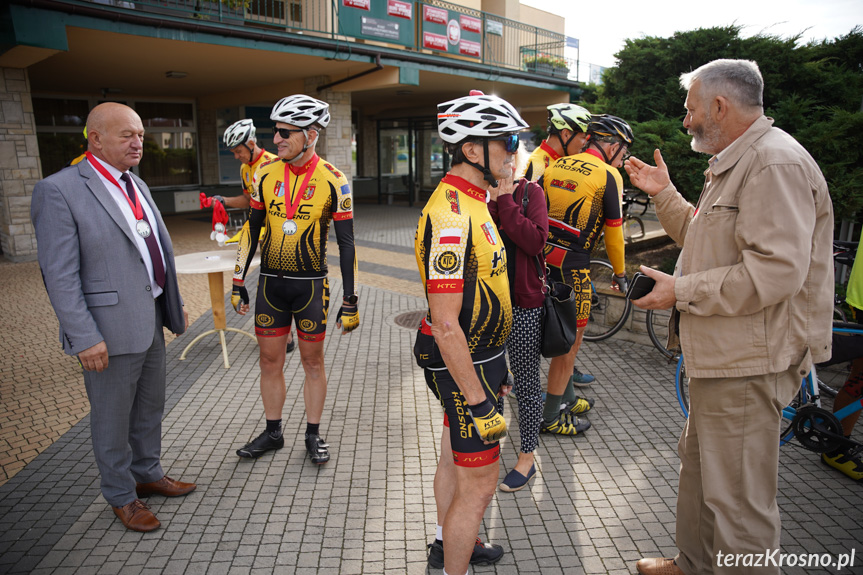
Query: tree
[813, 92]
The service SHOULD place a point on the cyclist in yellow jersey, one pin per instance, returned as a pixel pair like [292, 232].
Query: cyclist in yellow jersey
[583, 193]
[460, 342]
[240, 139]
[567, 133]
[294, 199]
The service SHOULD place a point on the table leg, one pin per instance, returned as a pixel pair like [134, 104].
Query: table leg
[217, 300]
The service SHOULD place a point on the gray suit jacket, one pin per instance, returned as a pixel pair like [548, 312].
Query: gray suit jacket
[95, 276]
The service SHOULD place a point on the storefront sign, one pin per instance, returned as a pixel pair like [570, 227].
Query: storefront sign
[400, 9]
[468, 48]
[470, 24]
[435, 15]
[380, 28]
[361, 4]
[433, 41]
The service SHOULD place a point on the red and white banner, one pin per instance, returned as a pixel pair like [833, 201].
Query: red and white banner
[361, 4]
[470, 24]
[468, 48]
[435, 15]
[434, 41]
[400, 9]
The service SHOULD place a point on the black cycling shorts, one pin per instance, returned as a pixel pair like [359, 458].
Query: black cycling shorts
[282, 301]
[468, 449]
[573, 269]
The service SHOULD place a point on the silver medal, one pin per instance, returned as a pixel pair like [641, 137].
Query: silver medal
[143, 229]
[289, 227]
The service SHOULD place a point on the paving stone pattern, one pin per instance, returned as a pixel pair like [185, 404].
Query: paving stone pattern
[599, 502]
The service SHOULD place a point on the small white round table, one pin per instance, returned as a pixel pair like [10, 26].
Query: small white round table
[214, 264]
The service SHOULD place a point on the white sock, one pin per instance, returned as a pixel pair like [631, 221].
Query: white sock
[465, 573]
[439, 533]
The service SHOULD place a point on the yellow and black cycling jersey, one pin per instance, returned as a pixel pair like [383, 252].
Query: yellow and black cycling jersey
[247, 171]
[584, 197]
[459, 250]
[296, 247]
[540, 159]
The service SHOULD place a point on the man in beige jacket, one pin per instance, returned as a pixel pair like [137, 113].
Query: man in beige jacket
[753, 291]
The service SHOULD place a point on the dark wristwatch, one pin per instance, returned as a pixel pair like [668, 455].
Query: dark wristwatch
[351, 299]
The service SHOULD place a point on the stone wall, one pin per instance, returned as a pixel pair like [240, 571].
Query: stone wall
[208, 147]
[20, 167]
[335, 145]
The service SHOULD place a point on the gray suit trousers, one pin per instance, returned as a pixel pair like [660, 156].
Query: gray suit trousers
[127, 401]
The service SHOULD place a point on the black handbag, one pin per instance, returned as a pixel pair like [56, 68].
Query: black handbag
[559, 317]
[559, 310]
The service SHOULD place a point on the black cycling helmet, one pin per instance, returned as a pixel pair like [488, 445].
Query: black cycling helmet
[608, 126]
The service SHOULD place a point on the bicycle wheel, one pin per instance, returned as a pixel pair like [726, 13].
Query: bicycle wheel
[608, 307]
[633, 228]
[657, 329]
[681, 385]
[786, 432]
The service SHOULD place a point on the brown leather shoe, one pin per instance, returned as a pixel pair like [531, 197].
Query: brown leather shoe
[137, 516]
[654, 566]
[165, 486]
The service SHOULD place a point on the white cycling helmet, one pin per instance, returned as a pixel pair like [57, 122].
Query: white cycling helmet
[477, 116]
[239, 133]
[301, 111]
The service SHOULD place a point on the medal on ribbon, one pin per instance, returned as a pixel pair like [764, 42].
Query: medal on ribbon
[289, 228]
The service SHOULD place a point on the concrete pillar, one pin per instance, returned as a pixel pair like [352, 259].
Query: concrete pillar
[20, 167]
[335, 145]
[208, 147]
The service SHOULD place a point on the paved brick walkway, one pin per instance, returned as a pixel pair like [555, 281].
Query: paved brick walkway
[599, 502]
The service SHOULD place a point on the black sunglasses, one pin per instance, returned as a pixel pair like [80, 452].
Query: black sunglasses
[510, 142]
[285, 133]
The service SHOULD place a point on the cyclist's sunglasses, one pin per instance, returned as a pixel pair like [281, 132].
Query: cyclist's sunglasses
[510, 142]
[284, 132]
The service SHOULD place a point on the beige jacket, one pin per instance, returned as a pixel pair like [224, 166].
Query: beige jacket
[755, 292]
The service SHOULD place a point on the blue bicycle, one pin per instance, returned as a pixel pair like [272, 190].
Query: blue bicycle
[815, 428]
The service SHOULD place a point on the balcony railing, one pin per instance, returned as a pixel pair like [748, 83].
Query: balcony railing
[426, 26]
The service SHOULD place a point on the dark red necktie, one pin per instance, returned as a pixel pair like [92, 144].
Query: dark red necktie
[152, 245]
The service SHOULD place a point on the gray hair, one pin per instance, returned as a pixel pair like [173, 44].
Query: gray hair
[738, 80]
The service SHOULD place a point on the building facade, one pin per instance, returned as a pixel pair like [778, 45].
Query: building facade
[190, 68]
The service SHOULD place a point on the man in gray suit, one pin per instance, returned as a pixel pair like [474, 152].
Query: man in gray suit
[108, 265]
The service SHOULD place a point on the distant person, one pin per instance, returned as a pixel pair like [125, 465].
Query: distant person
[294, 200]
[108, 265]
[460, 342]
[753, 295]
[567, 132]
[584, 201]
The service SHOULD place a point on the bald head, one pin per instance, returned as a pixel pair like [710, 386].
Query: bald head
[115, 134]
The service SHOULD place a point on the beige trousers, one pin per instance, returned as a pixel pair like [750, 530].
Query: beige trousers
[729, 465]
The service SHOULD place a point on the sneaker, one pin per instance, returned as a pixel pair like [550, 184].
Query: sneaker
[483, 553]
[579, 379]
[580, 405]
[317, 448]
[260, 445]
[847, 460]
[565, 424]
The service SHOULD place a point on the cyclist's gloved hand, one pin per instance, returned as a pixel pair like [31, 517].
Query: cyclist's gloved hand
[348, 317]
[239, 295]
[621, 282]
[218, 198]
[488, 421]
